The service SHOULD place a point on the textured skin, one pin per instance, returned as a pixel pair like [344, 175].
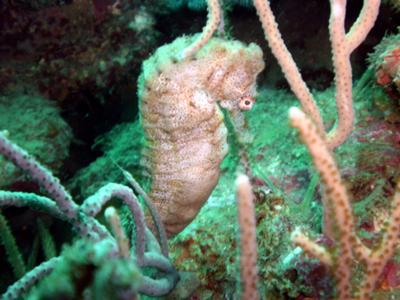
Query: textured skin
[184, 127]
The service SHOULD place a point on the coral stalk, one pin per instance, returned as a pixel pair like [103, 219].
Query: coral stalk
[343, 75]
[39, 174]
[248, 242]
[336, 201]
[93, 205]
[213, 21]
[16, 290]
[363, 24]
[342, 46]
[162, 235]
[82, 219]
[286, 61]
[348, 248]
[114, 221]
[311, 248]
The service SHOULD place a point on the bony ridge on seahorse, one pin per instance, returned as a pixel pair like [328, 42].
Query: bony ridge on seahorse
[186, 138]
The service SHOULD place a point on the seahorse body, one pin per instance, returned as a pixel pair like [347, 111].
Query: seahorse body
[183, 125]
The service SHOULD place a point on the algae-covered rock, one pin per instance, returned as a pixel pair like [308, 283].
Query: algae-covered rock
[121, 147]
[35, 124]
[385, 60]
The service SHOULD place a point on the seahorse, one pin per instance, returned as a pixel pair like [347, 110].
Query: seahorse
[185, 134]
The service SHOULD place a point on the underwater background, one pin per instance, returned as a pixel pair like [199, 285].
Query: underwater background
[76, 94]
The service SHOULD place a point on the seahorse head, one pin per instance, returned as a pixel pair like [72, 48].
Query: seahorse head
[233, 73]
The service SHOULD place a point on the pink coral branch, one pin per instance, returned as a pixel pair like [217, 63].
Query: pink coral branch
[342, 46]
[348, 247]
[286, 61]
[248, 243]
[213, 22]
[363, 24]
[343, 74]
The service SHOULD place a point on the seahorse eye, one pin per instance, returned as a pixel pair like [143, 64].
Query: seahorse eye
[246, 103]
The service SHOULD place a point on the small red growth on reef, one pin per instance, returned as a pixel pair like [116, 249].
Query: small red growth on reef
[390, 277]
[382, 78]
[388, 70]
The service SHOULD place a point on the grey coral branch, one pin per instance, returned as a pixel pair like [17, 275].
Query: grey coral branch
[82, 218]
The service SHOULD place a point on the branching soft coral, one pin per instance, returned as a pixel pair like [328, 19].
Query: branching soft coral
[146, 252]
